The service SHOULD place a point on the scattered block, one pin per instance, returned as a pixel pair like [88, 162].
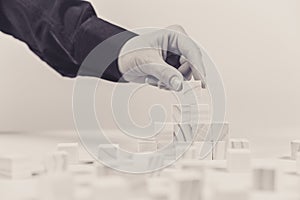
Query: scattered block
[15, 167]
[56, 162]
[295, 148]
[239, 143]
[264, 179]
[157, 187]
[58, 186]
[298, 163]
[108, 152]
[186, 185]
[238, 160]
[83, 174]
[219, 150]
[72, 149]
[112, 188]
[231, 193]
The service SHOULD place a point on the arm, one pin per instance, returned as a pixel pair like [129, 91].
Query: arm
[60, 32]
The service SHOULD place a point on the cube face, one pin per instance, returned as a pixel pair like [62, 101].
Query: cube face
[238, 160]
[186, 185]
[15, 167]
[295, 148]
[72, 149]
[56, 162]
[264, 179]
[219, 150]
[108, 152]
[298, 163]
[239, 143]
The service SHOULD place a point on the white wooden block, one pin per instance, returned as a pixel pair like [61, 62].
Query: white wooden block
[164, 132]
[147, 163]
[230, 193]
[83, 174]
[72, 149]
[205, 150]
[58, 186]
[183, 132]
[109, 152]
[186, 185]
[167, 150]
[298, 163]
[264, 179]
[56, 162]
[239, 143]
[295, 147]
[147, 146]
[219, 150]
[15, 166]
[181, 148]
[111, 188]
[238, 160]
[192, 153]
[215, 131]
[158, 187]
[194, 165]
[199, 113]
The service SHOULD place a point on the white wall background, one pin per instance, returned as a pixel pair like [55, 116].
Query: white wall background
[254, 43]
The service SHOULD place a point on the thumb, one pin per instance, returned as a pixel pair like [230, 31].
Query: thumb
[166, 74]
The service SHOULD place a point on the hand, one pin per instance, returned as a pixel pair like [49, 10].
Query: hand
[149, 58]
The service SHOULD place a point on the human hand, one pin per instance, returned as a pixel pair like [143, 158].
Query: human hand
[151, 58]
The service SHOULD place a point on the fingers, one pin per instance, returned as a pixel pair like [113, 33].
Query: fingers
[185, 70]
[180, 42]
[166, 75]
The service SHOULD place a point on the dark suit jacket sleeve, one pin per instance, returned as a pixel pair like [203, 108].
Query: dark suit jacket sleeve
[60, 32]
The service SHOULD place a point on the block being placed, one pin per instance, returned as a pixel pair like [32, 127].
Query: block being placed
[295, 148]
[56, 162]
[239, 143]
[219, 150]
[194, 91]
[72, 149]
[147, 146]
[264, 179]
[238, 160]
[15, 166]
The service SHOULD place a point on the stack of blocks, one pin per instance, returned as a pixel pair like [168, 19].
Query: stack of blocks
[192, 122]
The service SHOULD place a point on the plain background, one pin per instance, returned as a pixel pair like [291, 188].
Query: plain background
[255, 45]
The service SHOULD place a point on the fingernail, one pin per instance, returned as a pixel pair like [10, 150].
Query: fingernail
[176, 83]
